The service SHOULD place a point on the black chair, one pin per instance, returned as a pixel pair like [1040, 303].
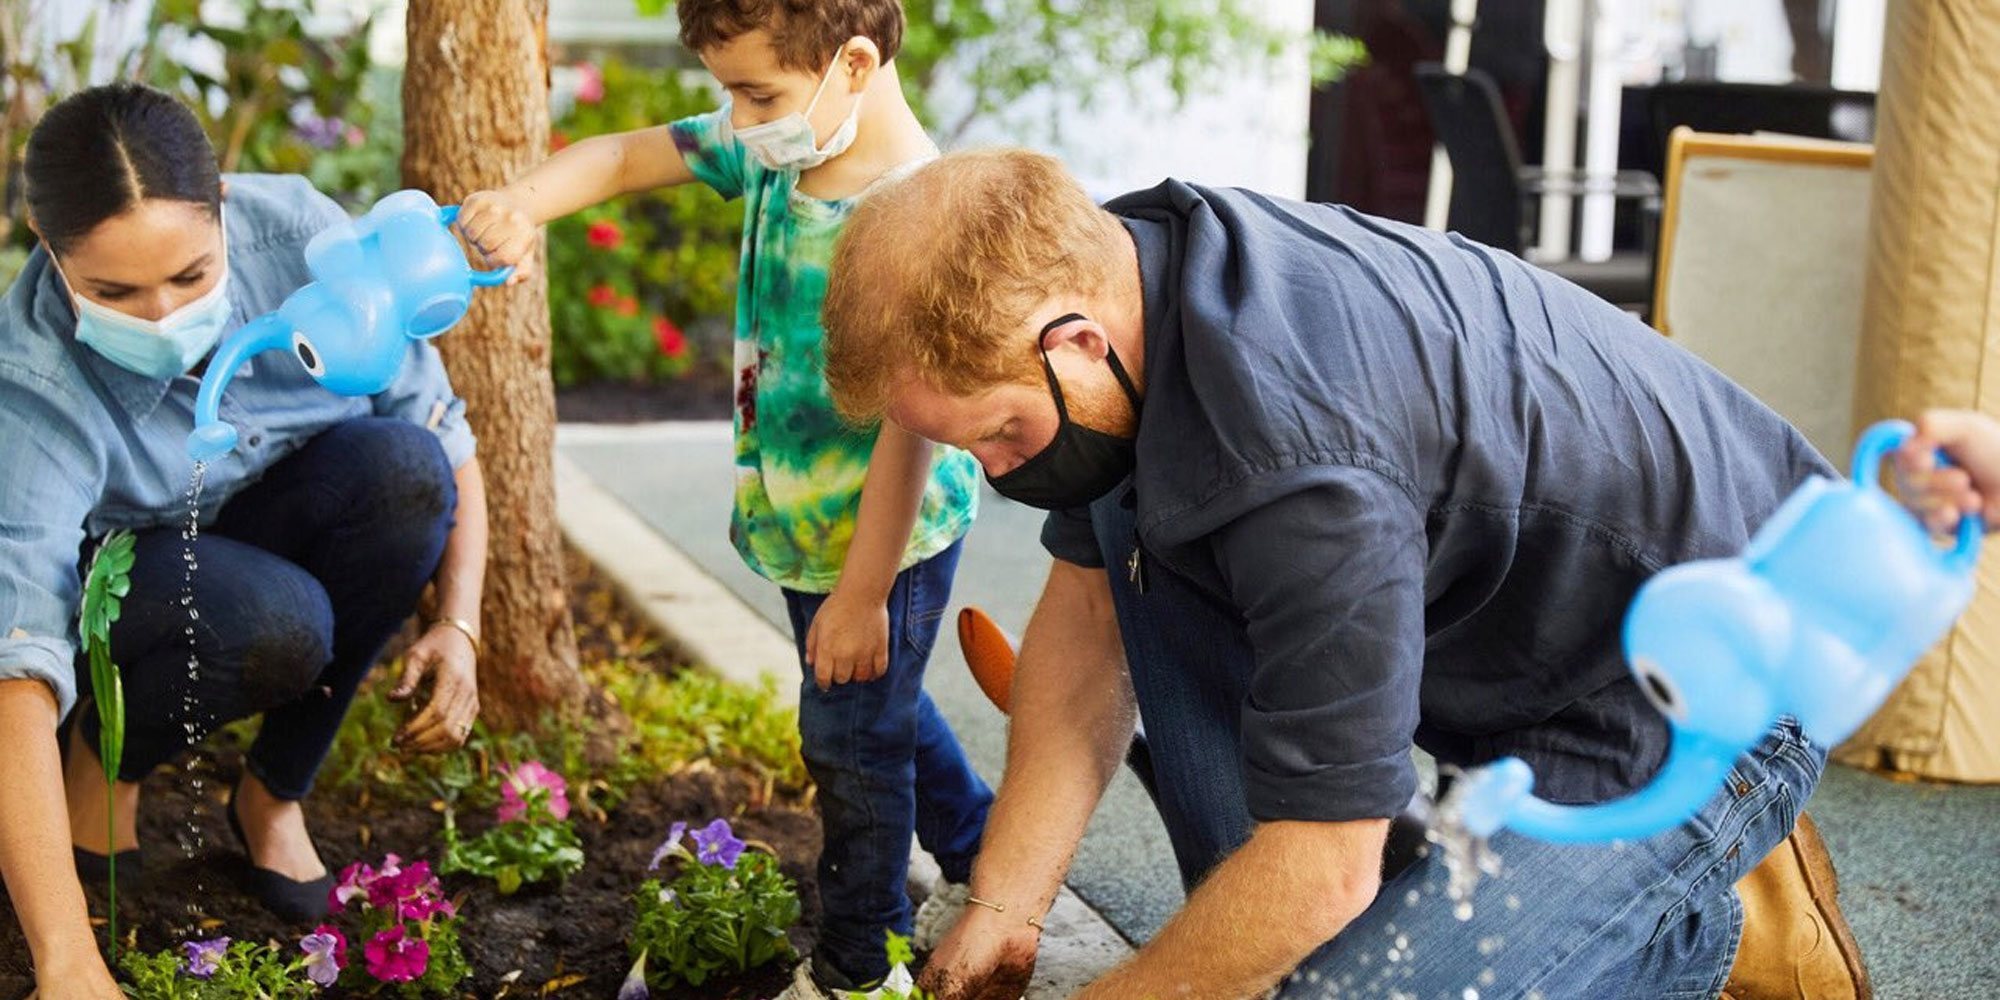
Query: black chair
[1494, 197]
[1792, 109]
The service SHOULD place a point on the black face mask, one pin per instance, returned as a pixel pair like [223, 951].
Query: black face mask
[1080, 464]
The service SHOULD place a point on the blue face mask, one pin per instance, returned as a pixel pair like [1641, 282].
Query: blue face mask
[157, 349]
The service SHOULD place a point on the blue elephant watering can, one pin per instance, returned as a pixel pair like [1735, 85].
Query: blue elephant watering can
[1822, 615]
[394, 275]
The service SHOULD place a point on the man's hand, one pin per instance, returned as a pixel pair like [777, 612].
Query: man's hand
[1941, 495]
[501, 231]
[986, 956]
[445, 655]
[848, 639]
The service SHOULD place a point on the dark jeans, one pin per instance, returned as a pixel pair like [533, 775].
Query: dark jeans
[302, 579]
[886, 764]
[1654, 918]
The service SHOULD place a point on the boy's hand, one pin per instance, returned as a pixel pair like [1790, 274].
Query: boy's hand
[501, 231]
[1940, 495]
[848, 639]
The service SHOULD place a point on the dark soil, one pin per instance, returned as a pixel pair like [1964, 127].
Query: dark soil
[562, 942]
[702, 394]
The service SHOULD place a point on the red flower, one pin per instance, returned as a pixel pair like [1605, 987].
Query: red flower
[395, 957]
[557, 141]
[672, 342]
[605, 235]
[589, 83]
[602, 295]
[628, 306]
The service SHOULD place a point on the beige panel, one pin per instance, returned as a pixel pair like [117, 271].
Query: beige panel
[1763, 276]
[1930, 336]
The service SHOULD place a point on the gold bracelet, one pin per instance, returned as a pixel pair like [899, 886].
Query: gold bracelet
[471, 634]
[1035, 922]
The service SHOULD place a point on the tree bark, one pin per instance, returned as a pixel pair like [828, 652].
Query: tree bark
[475, 112]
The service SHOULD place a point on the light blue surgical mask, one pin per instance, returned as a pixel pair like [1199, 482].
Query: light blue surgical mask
[155, 348]
[788, 144]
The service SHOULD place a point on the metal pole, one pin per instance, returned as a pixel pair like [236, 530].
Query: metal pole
[1562, 36]
[1600, 150]
[1457, 56]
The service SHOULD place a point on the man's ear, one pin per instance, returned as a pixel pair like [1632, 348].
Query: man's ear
[859, 59]
[1083, 334]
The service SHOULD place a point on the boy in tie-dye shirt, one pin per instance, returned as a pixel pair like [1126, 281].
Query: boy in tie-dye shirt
[860, 527]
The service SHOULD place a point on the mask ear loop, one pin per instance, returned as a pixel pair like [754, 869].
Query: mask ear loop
[1055, 387]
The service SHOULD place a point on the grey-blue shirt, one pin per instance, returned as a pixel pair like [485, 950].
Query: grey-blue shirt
[1428, 478]
[87, 447]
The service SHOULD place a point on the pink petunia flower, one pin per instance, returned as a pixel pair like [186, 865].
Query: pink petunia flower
[528, 782]
[395, 957]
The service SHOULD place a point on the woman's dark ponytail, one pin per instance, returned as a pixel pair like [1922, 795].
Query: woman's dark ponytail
[100, 152]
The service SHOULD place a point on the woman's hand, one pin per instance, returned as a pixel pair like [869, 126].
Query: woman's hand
[88, 980]
[1940, 494]
[446, 656]
[501, 231]
[849, 639]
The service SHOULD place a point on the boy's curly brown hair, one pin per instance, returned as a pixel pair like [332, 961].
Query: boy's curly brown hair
[805, 33]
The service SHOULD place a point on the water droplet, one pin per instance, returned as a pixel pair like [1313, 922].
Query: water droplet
[1462, 910]
[1403, 942]
[1488, 946]
[1486, 977]
[1513, 902]
[1410, 898]
[1394, 955]
[1470, 994]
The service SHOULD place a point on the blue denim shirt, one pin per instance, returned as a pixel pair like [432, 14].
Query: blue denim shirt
[87, 447]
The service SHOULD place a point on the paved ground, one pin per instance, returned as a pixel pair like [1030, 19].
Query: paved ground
[1920, 864]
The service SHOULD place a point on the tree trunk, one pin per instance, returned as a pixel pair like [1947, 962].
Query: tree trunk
[475, 112]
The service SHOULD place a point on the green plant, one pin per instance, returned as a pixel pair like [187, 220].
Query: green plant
[104, 588]
[627, 276]
[676, 719]
[727, 911]
[899, 985]
[216, 970]
[533, 840]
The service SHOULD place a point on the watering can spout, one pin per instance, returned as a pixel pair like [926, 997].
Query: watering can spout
[212, 437]
[1499, 795]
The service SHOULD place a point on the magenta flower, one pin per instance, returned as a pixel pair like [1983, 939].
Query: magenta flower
[204, 956]
[669, 846]
[530, 783]
[412, 893]
[326, 954]
[395, 957]
[715, 845]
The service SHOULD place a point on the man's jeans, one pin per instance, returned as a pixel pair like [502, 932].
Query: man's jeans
[302, 579]
[1652, 918]
[887, 765]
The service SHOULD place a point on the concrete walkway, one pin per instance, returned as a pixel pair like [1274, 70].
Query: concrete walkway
[1919, 863]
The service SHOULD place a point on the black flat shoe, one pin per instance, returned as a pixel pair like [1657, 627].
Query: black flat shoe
[290, 899]
[96, 868]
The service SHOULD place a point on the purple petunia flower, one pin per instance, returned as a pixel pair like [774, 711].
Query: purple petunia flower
[204, 956]
[634, 987]
[715, 845]
[669, 846]
[326, 954]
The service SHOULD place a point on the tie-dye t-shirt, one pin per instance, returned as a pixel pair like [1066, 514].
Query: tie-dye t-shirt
[799, 467]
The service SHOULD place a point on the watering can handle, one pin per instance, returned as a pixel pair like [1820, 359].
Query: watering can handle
[447, 215]
[1875, 445]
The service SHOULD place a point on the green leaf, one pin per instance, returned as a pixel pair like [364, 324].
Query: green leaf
[508, 880]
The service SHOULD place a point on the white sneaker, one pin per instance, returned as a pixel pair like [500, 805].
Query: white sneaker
[899, 983]
[940, 910]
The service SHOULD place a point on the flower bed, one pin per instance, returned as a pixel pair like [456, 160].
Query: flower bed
[699, 750]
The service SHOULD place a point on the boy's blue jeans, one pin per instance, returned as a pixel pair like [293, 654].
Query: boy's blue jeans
[1653, 918]
[887, 765]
